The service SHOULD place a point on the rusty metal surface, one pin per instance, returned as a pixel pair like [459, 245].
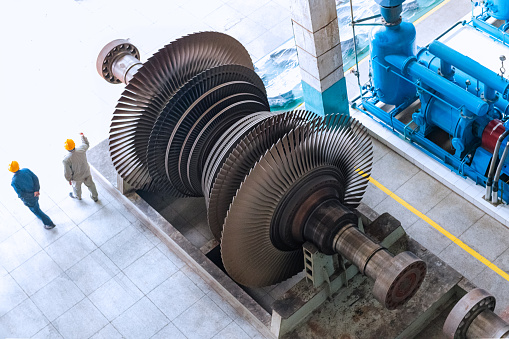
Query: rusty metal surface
[488, 325]
[399, 280]
[249, 255]
[153, 86]
[304, 292]
[354, 314]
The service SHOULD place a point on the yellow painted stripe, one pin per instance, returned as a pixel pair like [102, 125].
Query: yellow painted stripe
[360, 62]
[439, 228]
[431, 12]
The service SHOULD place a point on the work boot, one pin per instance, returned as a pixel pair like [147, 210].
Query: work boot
[48, 227]
[73, 196]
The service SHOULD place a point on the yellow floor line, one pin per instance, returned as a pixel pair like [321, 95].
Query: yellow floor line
[431, 12]
[439, 228]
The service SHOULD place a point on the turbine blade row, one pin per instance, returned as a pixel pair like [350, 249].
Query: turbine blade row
[195, 120]
[153, 86]
[337, 142]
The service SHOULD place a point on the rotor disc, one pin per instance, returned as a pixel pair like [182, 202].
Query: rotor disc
[190, 105]
[337, 142]
[170, 144]
[241, 159]
[207, 138]
[223, 148]
[151, 88]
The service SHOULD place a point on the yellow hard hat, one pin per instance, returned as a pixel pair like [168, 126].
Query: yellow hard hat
[69, 144]
[14, 166]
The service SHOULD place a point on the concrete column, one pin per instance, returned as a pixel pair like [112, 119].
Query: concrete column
[123, 186]
[315, 27]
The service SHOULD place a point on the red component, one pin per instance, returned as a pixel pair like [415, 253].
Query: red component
[491, 133]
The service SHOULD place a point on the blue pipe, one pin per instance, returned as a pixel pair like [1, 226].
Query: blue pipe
[491, 30]
[410, 66]
[434, 63]
[469, 66]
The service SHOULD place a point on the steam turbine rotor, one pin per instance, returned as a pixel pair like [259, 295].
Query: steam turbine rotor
[194, 120]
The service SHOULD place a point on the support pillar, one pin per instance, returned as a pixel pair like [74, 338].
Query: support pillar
[315, 27]
[123, 186]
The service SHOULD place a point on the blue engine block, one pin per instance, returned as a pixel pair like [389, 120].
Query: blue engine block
[459, 97]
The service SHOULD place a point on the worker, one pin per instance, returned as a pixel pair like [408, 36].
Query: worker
[26, 185]
[77, 170]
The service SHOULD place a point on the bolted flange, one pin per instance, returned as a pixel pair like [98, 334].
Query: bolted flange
[118, 59]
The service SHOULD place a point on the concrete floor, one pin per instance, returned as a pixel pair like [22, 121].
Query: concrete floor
[101, 272]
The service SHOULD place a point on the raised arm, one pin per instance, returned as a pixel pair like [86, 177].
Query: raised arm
[84, 142]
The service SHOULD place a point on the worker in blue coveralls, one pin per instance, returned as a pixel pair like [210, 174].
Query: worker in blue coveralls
[26, 185]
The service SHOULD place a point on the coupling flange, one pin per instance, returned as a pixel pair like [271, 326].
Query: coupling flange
[110, 54]
[399, 280]
[466, 311]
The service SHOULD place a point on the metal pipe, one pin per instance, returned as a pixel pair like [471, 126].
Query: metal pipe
[469, 66]
[410, 66]
[355, 22]
[473, 317]
[504, 27]
[355, 49]
[494, 196]
[446, 69]
[448, 30]
[491, 30]
[433, 63]
[489, 94]
[391, 15]
[489, 182]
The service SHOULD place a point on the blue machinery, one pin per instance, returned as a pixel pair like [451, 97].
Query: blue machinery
[463, 119]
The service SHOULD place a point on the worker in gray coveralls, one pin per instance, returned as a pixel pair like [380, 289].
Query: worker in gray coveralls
[77, 170]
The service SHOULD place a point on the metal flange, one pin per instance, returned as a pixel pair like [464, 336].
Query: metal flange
[398, 281]
[466, 311]
[107, 61]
